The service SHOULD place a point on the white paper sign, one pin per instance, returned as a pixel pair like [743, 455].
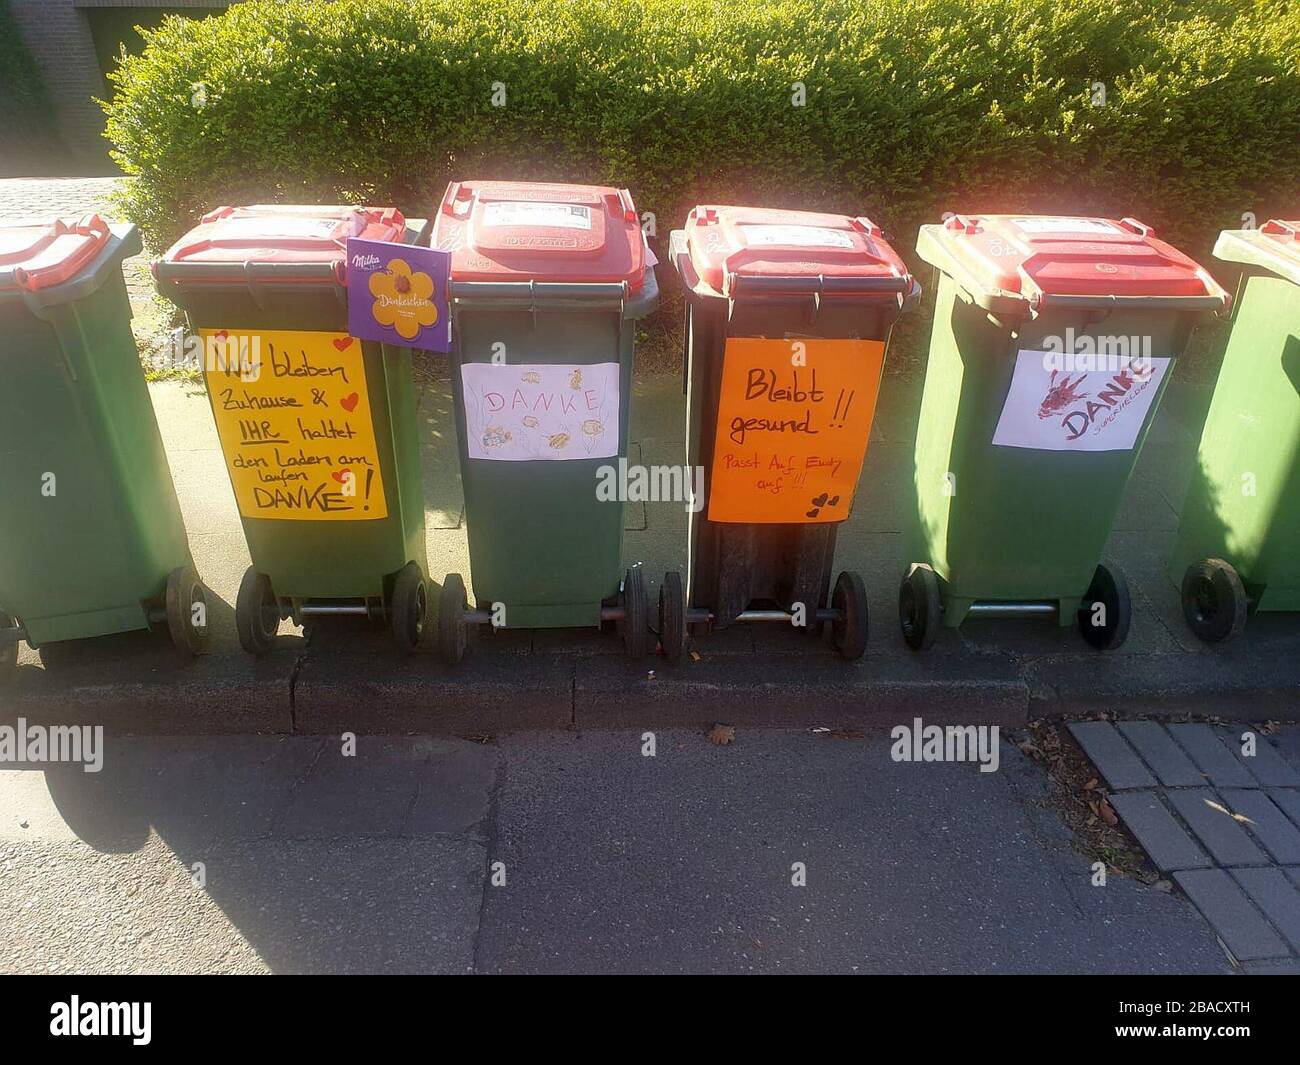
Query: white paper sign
[529, 213]
[1064, 225]
[796, 236]
[531, 411]
[1050, 409]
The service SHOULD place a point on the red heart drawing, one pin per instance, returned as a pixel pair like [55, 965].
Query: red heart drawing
[343, 343]
[341, 475]
[349, 403]
[222, 335]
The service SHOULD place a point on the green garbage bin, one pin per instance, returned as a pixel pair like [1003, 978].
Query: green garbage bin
[788, 315]
[1052, 342]
[91, 536]
[1238, 545]
[547, 282]
[318, 428]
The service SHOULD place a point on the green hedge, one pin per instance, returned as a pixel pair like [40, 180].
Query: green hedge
[913, 107]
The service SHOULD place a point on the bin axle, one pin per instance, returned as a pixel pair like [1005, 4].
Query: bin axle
[999, 608]
[704, 616]
[326, 609]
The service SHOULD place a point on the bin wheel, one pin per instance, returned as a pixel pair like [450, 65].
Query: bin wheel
[1214, 600]
[187, 611]
[407, 607]
[453, 629]
[920, 606]
[257, 613]
[672, 616]
[1108, 589]
[634, 625]
[8, 649]
[849, 629]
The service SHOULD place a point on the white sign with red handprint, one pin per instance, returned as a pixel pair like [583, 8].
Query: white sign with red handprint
[1053, 409]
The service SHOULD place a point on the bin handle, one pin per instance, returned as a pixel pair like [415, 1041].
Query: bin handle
[963, 223]
[1216, 303]
[540, 296]
[1276, 225]
[286, 273]
[1140, 228]
[819, 285]
[36, 278]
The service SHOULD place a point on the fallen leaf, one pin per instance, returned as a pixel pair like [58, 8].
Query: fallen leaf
[1108, 814]
[722, 734]
[1092, 783]
[695, 656]
[1239, 818]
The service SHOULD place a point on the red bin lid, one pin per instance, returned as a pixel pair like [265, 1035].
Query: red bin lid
[1038, 256]
[727, 243]
[43, 254]
[278, 233]
[533, 231]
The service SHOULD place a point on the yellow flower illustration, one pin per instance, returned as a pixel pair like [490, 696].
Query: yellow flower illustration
[402, 299]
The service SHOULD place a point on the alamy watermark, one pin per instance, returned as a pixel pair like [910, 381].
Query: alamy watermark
[1088, 353]
[40, 744]
[919, 742]
[633, 483]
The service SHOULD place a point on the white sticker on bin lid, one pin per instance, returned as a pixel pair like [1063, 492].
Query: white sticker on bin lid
[531, 213]
[796, 236]
[278, 226]
[1065, 225]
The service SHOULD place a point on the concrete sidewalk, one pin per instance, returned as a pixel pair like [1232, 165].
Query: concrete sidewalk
[562, 852]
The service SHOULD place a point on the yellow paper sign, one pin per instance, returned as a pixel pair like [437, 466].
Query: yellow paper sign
[293, 415]
[793, 421]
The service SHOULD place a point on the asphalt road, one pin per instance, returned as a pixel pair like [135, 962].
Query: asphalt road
[560, 852]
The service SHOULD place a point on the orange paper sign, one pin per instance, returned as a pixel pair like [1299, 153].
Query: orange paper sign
[793, 422]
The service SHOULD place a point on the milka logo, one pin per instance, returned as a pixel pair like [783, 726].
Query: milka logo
[363, 261]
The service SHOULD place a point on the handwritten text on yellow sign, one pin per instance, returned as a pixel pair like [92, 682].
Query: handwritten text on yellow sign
[293, 415]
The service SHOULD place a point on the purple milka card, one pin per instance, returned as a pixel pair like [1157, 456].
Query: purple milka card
[397, 293]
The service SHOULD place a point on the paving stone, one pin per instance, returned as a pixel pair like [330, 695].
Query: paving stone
[1162, 754]
[1231, 915]
[1269, 824]
[1113, 757]
[1162, 837]
[1289, 801]
[1224, 838]
[1212, 755]
[1272, 892]
[1267, 765]
[1294, 874]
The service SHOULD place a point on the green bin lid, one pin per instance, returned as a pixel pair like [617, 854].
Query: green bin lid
[40, 255]
[1020, 264]
[1274, 246]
